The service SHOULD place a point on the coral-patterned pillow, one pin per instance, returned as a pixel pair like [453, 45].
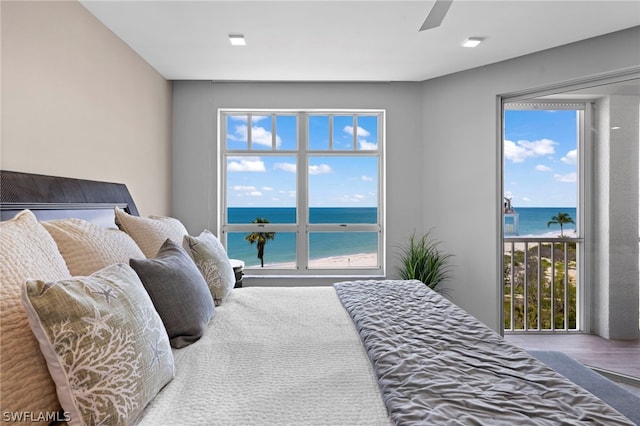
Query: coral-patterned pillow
[211, 258]
[104, 343]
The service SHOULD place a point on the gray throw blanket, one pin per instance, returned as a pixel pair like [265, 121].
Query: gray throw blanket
[437, 365]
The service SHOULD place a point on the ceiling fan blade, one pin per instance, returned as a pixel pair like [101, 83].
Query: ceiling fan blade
[436, 15]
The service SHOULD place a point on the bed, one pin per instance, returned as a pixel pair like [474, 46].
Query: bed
[355, 353]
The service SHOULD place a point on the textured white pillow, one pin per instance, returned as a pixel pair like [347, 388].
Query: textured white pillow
[87, 248]
[104, 343]
[26, 251]
[211, 258]
[150, 232]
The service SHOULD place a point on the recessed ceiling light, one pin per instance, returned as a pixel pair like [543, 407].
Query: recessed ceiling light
[237, 40]
[472, 41]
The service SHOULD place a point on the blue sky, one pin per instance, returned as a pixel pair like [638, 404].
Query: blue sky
[540, 154]
[269, 178]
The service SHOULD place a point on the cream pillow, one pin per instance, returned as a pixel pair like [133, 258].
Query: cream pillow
[150, 232]
[105, 344]
[26, 251]
[87, 248]
[211, 258]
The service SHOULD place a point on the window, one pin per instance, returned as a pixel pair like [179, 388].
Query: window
[543, 150]
[327, 219]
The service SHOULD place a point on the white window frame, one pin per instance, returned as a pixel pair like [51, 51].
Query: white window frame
[583, 183]
[302, 228]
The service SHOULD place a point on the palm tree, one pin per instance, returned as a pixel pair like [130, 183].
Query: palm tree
[560, 219]
[261, 239]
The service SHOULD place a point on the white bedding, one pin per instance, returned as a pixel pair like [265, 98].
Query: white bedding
[285, 356]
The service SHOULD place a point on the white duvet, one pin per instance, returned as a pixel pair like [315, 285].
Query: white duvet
[273, 356]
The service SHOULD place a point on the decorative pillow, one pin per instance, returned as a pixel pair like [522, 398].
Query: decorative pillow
[104, 343]
[87, 248]
[178, 291]
[212, 260]
[26, 250]
[150, 232]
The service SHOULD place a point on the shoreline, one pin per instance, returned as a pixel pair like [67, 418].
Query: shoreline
[357, 260]
[519, 246]
[369, 260]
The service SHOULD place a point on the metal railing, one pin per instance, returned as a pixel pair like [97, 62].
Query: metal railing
[541, 284]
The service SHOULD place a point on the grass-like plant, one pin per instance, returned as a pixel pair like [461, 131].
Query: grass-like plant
[422, 260]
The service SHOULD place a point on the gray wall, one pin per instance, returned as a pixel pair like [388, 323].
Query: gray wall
[442, 150]
[195, 132]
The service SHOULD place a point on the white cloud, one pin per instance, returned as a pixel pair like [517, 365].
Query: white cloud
[361, 131]
[543, 168]
[366, 178]
[243, 188]
[267, 188]
[262, 136]
[355, 198]
[569, 177]
[320, 169]
[242, 118]
[571, 157]
[286, 167]
[259, 135]
[249, 164]
[366, 145]
[521, 150]
[527, 199]
[290, 194]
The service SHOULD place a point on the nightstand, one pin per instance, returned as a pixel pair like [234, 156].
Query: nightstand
[238, 269]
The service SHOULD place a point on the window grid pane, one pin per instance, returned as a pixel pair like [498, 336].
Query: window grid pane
[343, 133]
[261, 132]
[237, 133]
[286, 132]
[343, 250]
[279, 250]
[318, 132]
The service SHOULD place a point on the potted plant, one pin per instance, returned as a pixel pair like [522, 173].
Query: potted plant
[422, 260]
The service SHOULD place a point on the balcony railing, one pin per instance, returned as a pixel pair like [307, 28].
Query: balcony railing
[541, 284]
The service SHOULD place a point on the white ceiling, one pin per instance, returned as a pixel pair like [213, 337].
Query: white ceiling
[347, 40]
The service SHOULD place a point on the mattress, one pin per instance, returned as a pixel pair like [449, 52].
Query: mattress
[273, 356]
[362, 353]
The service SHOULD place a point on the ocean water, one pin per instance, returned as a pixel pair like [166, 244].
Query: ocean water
[533, 220]
[282, 249]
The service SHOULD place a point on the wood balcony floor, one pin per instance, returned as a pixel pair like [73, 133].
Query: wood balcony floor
[617, 356]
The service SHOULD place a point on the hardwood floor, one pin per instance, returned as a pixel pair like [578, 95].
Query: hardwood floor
[620, 357]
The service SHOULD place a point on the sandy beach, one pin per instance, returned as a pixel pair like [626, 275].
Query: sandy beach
[359, 260]
[519, 246]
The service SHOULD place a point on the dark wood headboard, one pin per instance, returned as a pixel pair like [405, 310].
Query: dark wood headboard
[53, 197]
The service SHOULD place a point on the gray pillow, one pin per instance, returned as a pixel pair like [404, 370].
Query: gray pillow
[178, 291]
